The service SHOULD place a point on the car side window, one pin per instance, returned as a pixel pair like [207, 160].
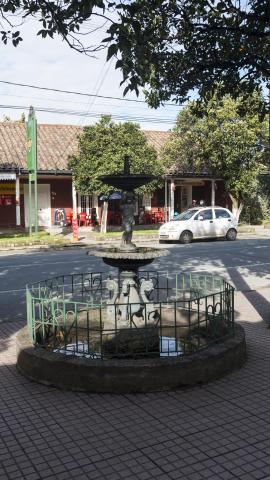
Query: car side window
[206, 214]
[221, 213]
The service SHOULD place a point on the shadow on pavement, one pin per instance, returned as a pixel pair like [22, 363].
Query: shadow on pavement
[256, 299]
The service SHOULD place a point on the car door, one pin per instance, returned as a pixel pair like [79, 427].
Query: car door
[222, 221]
[203, 224]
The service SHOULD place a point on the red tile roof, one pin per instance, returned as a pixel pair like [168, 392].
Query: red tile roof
[55, 144]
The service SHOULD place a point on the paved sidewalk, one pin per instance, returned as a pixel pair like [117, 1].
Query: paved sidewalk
[217, 431]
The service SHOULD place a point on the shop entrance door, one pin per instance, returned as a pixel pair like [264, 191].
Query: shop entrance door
[44, 205]
[182, 198]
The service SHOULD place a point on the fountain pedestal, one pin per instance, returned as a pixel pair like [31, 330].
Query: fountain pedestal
[129, 297]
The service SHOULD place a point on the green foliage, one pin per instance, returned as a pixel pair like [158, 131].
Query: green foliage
[257, 206]
[168, 46]
[102, 148]
[253, 211]
[7, 119]
[173, 47]
[222, 142]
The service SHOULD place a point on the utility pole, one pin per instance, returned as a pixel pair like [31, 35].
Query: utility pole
[32, 167]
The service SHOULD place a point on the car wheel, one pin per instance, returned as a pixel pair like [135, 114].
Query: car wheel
[231, 234]
[186, 236]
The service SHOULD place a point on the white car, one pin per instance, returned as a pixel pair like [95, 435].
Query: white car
[200, 222]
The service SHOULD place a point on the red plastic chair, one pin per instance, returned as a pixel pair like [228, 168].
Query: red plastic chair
[160, 217]
[69, 218]
[82, 219]
[153, 218]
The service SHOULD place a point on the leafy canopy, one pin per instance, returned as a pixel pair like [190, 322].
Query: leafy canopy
[169, 47]
[101, 151]
[229, 145]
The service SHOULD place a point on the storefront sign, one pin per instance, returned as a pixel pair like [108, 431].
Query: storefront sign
[9, 188]
[192, 182]
[7, 176]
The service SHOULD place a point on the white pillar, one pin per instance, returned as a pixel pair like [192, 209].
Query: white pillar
[166, 202]
[79, 203]
[74, 201]
[95, 204]
[172, 199]
[18, 201]
[213, 193]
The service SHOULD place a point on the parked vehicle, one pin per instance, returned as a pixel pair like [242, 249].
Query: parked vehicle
[200, 222]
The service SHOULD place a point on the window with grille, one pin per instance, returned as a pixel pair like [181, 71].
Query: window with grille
[86, 203]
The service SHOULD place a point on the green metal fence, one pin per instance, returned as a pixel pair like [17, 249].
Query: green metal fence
[181, 314]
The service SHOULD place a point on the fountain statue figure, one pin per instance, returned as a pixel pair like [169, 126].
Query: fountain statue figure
[128, 211]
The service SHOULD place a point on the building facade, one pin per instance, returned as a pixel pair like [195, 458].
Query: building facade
[57, 198]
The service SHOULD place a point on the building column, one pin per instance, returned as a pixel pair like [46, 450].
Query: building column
[213, 193]
[18, 201]
[95, 204]
[79, 203]
[74, 201]
[166, 202]
[172, 199]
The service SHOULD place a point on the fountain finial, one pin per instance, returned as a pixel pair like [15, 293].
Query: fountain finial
[126, 165]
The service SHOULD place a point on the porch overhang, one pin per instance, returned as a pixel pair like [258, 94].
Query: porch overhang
[66, 173]
[191, 176]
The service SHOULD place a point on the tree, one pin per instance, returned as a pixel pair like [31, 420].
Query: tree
[223, 143]
[7, 119]
[101, 151]
[173, 47]
[170, 47]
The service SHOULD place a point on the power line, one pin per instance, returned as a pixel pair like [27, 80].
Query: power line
[92, 100]
[90, 115]
[84, 94]
[74, 102]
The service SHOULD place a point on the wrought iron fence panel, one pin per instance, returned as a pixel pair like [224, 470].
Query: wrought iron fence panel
[82, 315]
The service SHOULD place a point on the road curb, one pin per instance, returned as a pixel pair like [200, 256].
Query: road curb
[109, 241]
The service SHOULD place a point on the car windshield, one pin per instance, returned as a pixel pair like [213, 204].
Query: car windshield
[185, 215]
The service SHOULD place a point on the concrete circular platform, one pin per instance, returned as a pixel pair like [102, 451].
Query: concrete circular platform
[129, 376]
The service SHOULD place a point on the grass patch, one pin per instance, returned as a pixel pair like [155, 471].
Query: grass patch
[23, 239]
[119, 234]
[245, 228]
[18, 235]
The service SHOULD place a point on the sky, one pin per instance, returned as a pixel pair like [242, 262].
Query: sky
[51, 63]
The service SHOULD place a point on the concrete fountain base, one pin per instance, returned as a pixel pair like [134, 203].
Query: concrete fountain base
[125, 375]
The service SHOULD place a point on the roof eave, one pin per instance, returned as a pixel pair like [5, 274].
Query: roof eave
[48, 172]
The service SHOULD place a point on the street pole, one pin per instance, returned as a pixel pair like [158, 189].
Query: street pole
[35, 174]
[32, 167]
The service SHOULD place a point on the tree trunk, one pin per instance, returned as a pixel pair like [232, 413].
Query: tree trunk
[103, 226]
[237, 206]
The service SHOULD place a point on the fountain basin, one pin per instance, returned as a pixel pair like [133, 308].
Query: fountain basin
[127, 182]
[128, 260]
[185, 333]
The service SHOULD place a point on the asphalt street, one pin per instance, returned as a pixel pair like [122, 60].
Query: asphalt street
[245, 263]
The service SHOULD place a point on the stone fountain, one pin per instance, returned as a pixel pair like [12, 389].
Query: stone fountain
[127, 333]
[130, 296]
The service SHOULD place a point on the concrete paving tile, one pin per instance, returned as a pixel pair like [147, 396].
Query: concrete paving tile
[218, 431]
